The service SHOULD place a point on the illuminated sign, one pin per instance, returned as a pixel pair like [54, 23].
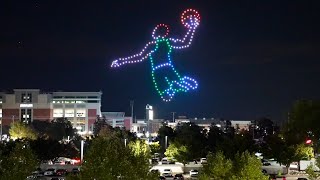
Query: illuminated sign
[26, 105]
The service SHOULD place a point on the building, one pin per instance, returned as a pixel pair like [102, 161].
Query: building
[27, 105]
[206, 123]
[144, 127]
[117, 119]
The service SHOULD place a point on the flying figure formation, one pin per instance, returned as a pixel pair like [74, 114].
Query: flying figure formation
[166, 79]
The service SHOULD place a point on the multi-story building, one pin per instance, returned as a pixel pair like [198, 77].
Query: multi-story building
[27, 105]
[144, 127]
[117, 119]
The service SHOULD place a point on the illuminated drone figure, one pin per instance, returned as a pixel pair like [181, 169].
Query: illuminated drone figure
[166, 79]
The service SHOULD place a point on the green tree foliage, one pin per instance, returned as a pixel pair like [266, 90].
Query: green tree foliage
[244, 166]
[177, 152]
[162, 133]
[19, 130]
[19, 163]
[303, 122]
[304, 152]
[312, 174]
[108, 158]
[57, 129]
[190, 135]
[154, 147]
[285, 153]
[139, 148]
[217, 167]
[99, 124]
[215, 137]
[46, 149]
[247, 166]
[237, 143]
[61, 128]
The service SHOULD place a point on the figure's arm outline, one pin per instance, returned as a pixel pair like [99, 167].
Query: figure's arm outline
[139, 57]
[185, 41]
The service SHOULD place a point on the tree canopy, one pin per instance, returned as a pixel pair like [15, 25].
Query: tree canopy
[20, 162]
[109, 158]
[244, 166]
[19, 130]
[177, 152]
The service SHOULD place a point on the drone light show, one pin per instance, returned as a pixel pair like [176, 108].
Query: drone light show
[166, 79]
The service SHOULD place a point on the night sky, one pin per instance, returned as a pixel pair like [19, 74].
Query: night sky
[251, 58]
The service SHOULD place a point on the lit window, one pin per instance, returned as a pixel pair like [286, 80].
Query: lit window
[69, 113]
[57, 112]
[81, 113]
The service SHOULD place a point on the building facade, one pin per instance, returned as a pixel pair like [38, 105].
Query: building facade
[27, 105]
[117, 119]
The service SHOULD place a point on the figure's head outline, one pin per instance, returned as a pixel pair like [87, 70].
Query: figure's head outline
[160, 31]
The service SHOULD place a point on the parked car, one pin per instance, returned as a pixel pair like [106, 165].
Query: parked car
[164, 161]
[178, 177]
[203, 160]
[168, 176]
[61, 172]
[194, 173]
[49, 172]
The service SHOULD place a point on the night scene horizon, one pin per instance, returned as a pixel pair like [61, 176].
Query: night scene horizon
[249, 59]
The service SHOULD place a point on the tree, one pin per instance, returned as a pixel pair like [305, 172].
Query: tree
[263, 127]
[237, 143]
[217, 167]
[19, 130]
[164, 132]
[177, 152]
[215, 137]
[154, 147]
[311, 170]
[285, 153]
[244, 166]
[139, 148]
[99, 124]
[108, 158]
[190, 135]
[247, 166]
[47, 149]
[56, 129]
[61, 128]
[303, 122]
[19, 164]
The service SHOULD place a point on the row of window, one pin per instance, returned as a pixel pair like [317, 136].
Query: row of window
[69, 113]
[75, 97]
[74, 102]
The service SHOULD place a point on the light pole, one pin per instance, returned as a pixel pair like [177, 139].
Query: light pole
[82, 144]
[125, 142]
[166, 142]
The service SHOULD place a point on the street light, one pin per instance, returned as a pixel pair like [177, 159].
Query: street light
[82, 144]
[166, 142]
